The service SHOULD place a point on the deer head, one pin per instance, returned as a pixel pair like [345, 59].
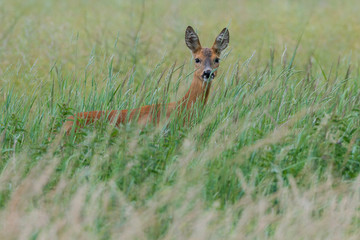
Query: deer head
[207, 60]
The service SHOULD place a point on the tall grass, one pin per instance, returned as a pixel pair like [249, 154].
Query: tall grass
[275, 154]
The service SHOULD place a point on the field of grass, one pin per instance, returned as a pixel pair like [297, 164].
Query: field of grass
[275, 154]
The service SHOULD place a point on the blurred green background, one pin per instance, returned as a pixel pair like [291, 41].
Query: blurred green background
[79, 36]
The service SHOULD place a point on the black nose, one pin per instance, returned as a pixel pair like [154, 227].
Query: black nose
[207, 73]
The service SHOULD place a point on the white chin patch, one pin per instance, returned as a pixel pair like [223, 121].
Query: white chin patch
[208, 79]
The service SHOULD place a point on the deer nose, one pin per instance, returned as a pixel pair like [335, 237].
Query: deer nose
[207, 73]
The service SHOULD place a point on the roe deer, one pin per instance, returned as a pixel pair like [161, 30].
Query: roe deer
[207, 61]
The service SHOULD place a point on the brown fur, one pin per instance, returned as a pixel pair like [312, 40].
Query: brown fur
[152, 113]
[206, 56]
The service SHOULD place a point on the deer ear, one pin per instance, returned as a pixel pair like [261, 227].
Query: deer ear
[221, 41]
[192, 40]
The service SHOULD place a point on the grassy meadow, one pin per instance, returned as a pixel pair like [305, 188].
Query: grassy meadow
[275, 154]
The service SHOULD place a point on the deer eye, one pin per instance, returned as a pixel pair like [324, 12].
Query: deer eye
[197, 60]
[217, 60]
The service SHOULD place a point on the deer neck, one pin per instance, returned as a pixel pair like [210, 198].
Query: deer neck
[199, 91]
